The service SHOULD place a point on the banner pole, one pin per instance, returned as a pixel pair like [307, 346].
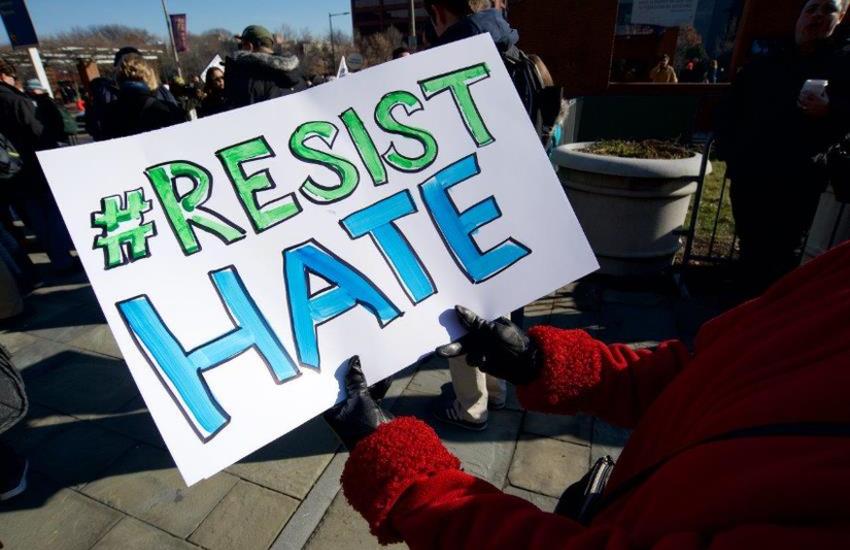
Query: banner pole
[171, 36]
[35, 58]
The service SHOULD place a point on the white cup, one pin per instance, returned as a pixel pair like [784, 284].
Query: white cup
[816, 87]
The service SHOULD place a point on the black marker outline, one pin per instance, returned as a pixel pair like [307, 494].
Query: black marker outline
[457, 105]
[332, 168]
[192, 225]
[357, 148]
[471, 236]
[126, 255]
[383, 253]
[265, 171]
[414, 134]
[200, 371]
[306, 274]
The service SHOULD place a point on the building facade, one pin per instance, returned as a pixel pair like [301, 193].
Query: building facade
[372, 16]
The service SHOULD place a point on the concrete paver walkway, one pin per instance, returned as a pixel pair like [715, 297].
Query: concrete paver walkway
[101, 477]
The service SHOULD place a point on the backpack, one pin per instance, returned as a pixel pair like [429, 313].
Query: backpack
[10, 161]
[541, 102]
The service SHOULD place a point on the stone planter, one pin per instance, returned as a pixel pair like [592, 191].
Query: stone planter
[630, 209]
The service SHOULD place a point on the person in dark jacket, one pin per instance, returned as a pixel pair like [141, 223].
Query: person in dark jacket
[137, 109]
[104, 91]
[49, 113]
[459, 19]
[215, 100]
[255, 73]
[476, 393]
[774, 133]
[28, 192]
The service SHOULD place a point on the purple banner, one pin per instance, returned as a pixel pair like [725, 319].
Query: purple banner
[180, 32]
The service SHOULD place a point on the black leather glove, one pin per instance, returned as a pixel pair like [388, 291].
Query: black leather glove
[499, 348]
[359, 415]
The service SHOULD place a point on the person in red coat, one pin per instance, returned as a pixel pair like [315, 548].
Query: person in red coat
[741, 444]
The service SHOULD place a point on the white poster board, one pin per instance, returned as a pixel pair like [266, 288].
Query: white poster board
[241, 259]
[664, 13]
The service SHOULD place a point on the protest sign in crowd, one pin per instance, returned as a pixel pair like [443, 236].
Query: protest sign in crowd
[297, 244]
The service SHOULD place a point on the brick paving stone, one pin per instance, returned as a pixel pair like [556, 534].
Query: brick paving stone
[607, 440]
[83, 384]
[68, 325]
[39, 424]
[545, 503]
[573, 429]
[485, 454]
[547, 466]
[248, 518]
[97, 338]
[433, 374]
[45, 516]
[134, 421]
[38, 357]
[293, 463]
[132, 534]
[16, 341]
[145, 484]
[343, 527]
[78, 454]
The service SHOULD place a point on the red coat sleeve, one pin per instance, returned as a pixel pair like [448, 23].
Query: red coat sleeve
[614, 382]
[409, 487]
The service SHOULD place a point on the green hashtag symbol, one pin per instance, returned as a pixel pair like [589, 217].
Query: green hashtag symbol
[124, 235]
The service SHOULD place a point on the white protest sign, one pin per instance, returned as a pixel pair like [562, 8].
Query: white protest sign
[343, 68]
[241, 259]
[664, 13]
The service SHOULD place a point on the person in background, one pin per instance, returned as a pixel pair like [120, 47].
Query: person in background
[13, 396]
[104, 91]
[774, 134]
[744, 443]
[28, 192]
[714, 74]
[398, 53]
[476, 393]
[255, 73]
[137, 108]
[215, 100]
[49, 113]
[663, 72]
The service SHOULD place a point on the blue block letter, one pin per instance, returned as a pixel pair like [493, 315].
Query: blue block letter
[378, 221]
[307, 311]
[181, 371]
[459, 228]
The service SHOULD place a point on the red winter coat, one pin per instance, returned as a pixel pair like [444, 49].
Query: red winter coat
[783, 358]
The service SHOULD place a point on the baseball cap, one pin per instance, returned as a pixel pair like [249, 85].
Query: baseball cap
[124, 51]
[33, 84]
[253, 33]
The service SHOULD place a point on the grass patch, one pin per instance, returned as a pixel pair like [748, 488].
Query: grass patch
[646, 149]
[708, 210]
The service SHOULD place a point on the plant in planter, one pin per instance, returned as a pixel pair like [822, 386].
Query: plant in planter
[631, 199]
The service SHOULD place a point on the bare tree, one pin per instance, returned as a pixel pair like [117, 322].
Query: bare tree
[378, 48]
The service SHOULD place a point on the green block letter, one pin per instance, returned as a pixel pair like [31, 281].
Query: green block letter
[247, 186]
[348, 175]
[459, 82]
[365, 146]
[184, 212]
[384, 119]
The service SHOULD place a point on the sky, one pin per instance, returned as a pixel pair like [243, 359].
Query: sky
[51, 16]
